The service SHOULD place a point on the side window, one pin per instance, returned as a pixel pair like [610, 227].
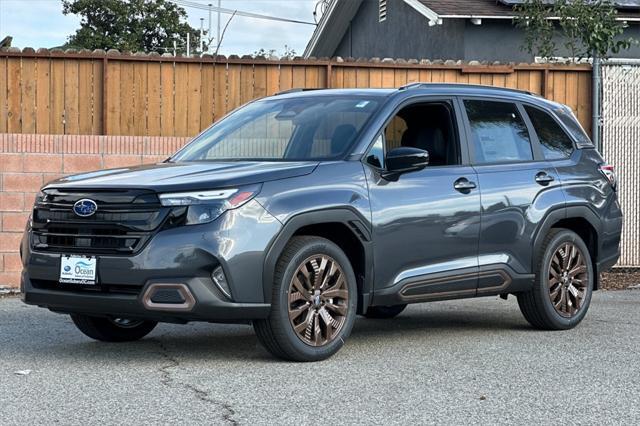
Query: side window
[498, 132]
[554, 141]
[427, 126]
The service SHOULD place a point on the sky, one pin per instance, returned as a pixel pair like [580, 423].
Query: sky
[40, 23]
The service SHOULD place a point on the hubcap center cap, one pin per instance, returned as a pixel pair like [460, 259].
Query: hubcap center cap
[316, 299]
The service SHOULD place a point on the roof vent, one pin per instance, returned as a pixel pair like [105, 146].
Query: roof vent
[382, 10]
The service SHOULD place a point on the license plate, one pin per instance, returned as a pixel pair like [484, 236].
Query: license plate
[78, 270]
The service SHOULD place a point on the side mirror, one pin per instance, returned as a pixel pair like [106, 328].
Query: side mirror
[405, 159]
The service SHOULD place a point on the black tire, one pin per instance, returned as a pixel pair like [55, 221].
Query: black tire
[108, 330]
[384, 312]
[276, 333]
[536, 305]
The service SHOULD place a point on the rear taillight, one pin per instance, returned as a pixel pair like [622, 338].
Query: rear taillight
[609, 172]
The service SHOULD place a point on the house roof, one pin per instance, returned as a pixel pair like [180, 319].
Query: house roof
[339, 13]
[490, 9]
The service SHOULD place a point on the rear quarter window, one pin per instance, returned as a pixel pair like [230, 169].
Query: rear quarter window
[555, 143]
[573, 125]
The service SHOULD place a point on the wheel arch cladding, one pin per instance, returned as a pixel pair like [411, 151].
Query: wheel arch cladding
[343, 227]
[579, 219]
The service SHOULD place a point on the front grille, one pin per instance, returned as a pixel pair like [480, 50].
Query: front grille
[124, 222]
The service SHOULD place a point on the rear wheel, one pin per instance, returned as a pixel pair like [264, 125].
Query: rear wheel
[563, 286]
[113, 329]
[313, 303]
[384, 312]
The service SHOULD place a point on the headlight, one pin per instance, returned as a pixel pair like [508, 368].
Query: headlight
[206, 206]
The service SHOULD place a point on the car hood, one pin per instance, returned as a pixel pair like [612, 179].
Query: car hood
[186, 176]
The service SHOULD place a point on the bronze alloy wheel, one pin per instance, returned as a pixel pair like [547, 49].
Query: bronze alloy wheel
[318, 300]
[568, 280]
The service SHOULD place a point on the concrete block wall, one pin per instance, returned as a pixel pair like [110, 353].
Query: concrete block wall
[28, 161]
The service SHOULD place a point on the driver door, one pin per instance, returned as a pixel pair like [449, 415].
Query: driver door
[426, 223]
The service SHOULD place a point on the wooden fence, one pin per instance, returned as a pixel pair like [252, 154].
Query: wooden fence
[111, 94]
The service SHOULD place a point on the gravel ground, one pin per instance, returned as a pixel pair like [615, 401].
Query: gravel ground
[458, 362]
[620, 279]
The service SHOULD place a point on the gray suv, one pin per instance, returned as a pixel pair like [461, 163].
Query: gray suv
[299, 211]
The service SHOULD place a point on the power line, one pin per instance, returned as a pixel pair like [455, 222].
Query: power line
[239, 12]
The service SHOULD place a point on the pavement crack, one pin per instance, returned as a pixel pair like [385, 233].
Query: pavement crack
[167, 379]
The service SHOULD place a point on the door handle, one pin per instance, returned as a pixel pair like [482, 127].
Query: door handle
[544, 179]
[464, 185]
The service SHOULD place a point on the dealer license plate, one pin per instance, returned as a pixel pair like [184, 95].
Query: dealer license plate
[78, 270]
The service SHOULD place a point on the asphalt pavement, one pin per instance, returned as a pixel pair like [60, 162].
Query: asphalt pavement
[458, 362]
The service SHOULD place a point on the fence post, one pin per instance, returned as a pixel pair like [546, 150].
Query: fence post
[595, 102]
[105, 77]
[328, 75]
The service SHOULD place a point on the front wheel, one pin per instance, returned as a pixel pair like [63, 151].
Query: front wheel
[562, 290]
[313, 303]
[112, 329]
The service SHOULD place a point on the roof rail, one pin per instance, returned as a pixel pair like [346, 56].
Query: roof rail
[507, 89]
[296, 90]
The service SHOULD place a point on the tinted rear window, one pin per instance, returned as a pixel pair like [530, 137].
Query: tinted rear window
[555, 143]
[571, 122]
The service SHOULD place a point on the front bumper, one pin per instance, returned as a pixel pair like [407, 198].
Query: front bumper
[208, 305]
[185, 255]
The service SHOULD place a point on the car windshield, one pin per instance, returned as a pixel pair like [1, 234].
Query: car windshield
[301, 128]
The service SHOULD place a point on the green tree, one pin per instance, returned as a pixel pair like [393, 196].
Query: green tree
[130, 25]
[586, 28]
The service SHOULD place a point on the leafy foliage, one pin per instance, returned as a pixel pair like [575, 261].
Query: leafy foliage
[287, 53]
[129, 25]
[586, 28]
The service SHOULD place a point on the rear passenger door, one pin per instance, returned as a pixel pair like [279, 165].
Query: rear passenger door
[517, 187]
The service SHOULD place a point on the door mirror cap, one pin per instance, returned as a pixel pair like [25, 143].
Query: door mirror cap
[405, 159]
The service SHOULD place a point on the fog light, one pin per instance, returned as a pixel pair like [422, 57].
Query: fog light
[220, 280]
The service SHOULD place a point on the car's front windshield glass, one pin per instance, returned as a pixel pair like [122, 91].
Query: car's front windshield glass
[301, 128]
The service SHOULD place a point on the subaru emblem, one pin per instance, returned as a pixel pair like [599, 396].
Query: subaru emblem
[85, 207]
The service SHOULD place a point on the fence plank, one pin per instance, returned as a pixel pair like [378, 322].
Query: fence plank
[85, 97]
[140, 91]
[220, 97]
[3, 95]
[28, 93]
[57, 117]
[584, 101]
[71, 107]
[167, 101]
[193, 101]
[127, 110]
[181, 99]
[154, 100]
[273, 79]
[207, 96]
[246, 83]
[233, 80]
[14, 110]
[113, 102]
[97, 127]
[298, 77]
[43, 97]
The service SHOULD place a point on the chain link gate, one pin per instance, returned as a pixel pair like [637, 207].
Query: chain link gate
[621, 148]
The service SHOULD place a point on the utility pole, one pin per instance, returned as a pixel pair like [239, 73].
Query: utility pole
[201, 48]
[188, 44]
[209, 33]
[219, 6]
